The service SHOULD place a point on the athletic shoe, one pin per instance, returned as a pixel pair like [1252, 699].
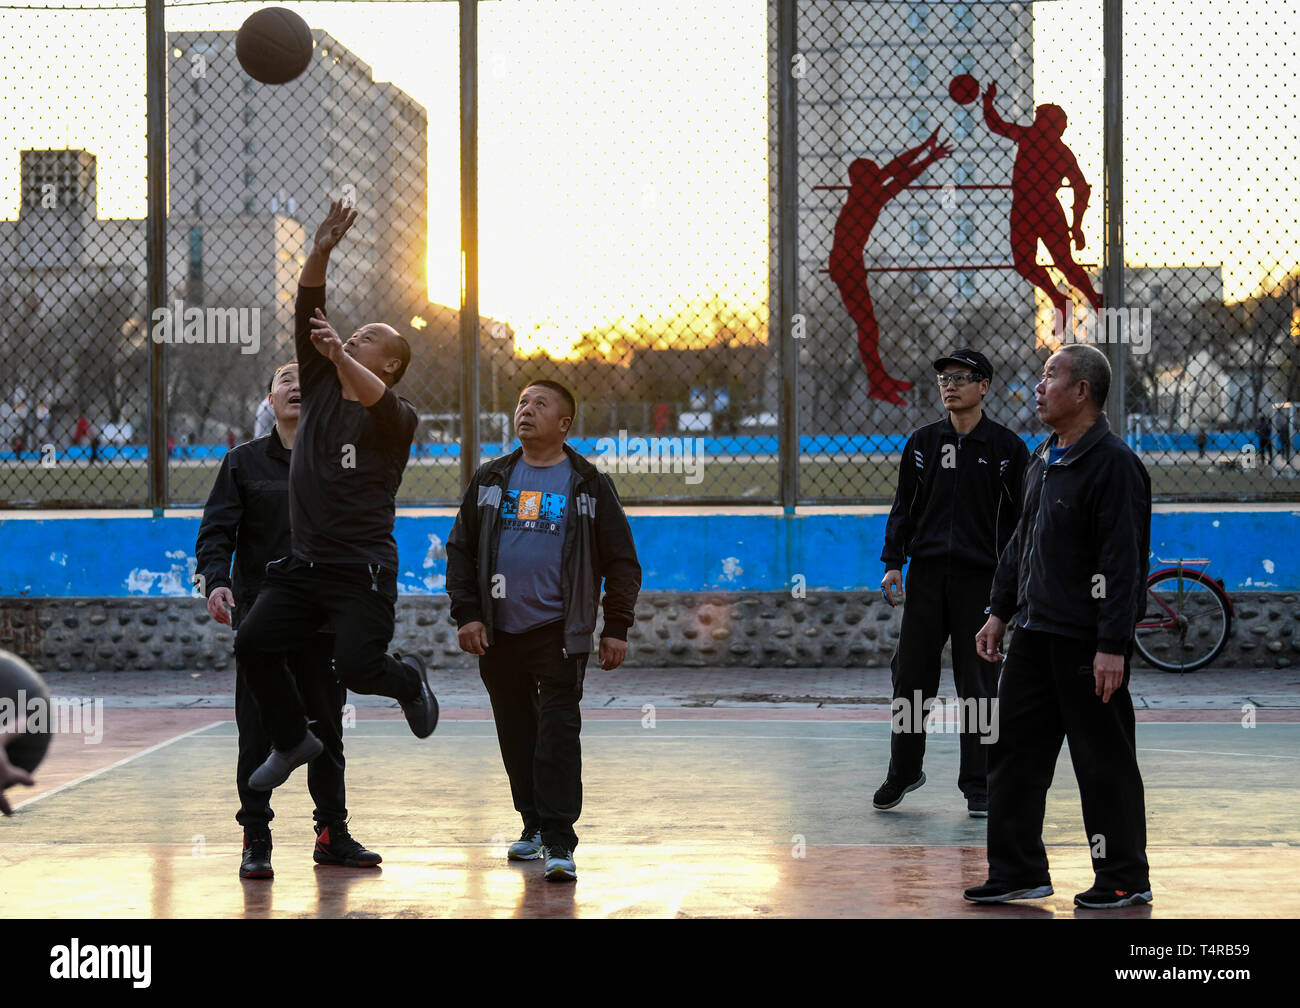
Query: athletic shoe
[279, 765]
[334, 845]
[995, 892]
[1110, 899]
[256, 862]
[891, 792]
[977, 806]
[422, 712]
[559, 865]
[528, 847]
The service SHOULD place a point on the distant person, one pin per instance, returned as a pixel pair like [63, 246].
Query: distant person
[1201, 440]
[870, 188]
[1264, 431]
[1042, 163]
[546, 527]
[247, 517]
[1072, 581]
[81, 434]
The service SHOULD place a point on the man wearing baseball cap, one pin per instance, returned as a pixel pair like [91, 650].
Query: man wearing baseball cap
[957, 503]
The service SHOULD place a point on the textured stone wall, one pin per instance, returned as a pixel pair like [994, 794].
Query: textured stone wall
[740, 630]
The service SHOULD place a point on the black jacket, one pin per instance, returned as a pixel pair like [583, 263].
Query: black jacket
[958, 504]
[247, 514]
[1077, 562]
[597, 546]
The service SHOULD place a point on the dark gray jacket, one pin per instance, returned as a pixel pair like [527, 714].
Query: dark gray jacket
[597, 546]
[1076, 564]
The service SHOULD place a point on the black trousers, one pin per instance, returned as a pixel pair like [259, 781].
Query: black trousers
[1047, 692]
[323, 698]
[942, 602]
[535, 692]
[296, 598]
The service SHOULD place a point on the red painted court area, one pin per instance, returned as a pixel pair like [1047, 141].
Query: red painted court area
[727, 813]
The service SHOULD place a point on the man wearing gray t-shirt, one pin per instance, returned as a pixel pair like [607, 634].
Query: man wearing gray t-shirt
[538, 532]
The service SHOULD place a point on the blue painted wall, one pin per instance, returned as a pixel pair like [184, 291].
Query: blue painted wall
[101, 556]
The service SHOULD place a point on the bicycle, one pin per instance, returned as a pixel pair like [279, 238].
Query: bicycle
[1188, 617]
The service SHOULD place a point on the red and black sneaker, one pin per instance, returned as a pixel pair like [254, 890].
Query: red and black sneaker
[256, 862]
[335, 846]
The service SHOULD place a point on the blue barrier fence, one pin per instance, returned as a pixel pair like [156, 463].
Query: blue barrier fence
[93, 556]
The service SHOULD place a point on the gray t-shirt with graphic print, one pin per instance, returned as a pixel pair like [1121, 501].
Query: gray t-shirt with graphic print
[533, 511]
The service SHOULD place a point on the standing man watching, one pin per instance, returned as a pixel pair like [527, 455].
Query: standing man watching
[353, 443]
[537, 533]
[957, 502]
[247, 516]
[1074, 579]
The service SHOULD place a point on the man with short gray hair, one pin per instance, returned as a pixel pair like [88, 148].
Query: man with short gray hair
[1074, 578]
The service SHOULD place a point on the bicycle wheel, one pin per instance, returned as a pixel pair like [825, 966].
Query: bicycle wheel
[1186, 623]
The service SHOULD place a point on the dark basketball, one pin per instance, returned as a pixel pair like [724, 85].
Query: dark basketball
[963, 89]
[19, 686]
[273, 45]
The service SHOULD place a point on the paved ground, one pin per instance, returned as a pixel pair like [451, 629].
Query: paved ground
[1209, 689]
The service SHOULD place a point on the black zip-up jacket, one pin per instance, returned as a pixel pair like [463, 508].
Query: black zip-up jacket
[597, 546]
[957, 501]
[1077, 562]
[247, 514]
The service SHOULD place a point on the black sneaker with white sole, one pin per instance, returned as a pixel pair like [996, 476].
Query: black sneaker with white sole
[996, 892]
[1111, 899]
[422, 712]
[891, 792]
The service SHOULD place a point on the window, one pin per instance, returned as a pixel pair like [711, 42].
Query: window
[196, 84]
[250, 205]
[919, 123]
[963, 173]
[963, 18]
[965, 230]
[248, 86]
[919, 229]
[250, 177]
[197, 151]
[920, 284]
[1157, 292]
[964, 285]
[918, 17]
[918, 72]
[964, 64]
[249, 146]
[198, 207]
[198, 177]
[196, 115]
[248, 115]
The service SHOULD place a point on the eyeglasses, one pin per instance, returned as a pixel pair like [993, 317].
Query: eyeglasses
[956, 380]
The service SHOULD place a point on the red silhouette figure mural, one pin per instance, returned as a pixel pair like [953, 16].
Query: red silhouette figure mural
[1042, 163]
[870, 188]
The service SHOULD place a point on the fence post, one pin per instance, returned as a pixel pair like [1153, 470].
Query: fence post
[469, 320]
[787, 252]
[1112, 288]
[155, 242]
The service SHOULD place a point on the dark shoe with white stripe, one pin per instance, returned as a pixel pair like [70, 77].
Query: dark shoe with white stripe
[891, 792]
[996, 892]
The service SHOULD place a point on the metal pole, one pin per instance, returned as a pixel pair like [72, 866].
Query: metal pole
[1112, 288]
[155, 241]
[787, 252]
[469, 320]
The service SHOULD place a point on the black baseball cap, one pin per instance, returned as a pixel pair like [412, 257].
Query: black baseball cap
[972, 359]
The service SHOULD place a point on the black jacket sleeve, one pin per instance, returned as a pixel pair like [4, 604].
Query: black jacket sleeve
[1122, 531]
[619, 566]
[219, 529]
[1004, 595]
[462, 561]
[898, 528]
[313, 366]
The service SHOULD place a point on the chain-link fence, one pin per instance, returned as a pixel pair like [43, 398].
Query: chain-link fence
[947, 178]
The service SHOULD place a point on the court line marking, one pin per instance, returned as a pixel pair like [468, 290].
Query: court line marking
[1207, 752]
[113, 766]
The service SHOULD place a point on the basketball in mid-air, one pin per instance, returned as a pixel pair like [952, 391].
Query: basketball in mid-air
[963, 89]
[273, 45]
[20, 684]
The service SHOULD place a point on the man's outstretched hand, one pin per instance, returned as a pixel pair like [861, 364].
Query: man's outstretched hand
[334, 226]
